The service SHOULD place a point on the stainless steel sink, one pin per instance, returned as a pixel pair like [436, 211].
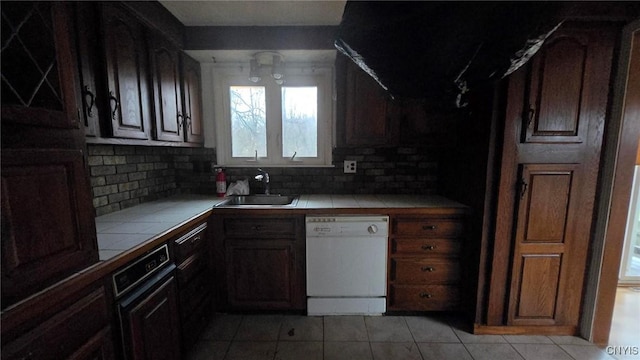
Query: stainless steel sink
[260, 200]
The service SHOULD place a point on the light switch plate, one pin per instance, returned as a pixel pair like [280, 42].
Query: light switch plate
[349, 166]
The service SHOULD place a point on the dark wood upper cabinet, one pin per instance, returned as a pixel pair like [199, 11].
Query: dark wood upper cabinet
[367, 120]
[136, 84]
[90, 82]
[125, 51]
[558, 81]
[167, 94]
[192, 99]
[38, 85]
[373, 118]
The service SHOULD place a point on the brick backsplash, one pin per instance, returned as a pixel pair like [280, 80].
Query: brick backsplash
[123, 175]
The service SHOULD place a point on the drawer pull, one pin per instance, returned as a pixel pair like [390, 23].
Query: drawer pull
[428, 247]
[429, 227]
[257, 227]
[424, 295]
[195, 240]
[427, 268]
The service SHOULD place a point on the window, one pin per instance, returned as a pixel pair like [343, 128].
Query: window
[266, 124]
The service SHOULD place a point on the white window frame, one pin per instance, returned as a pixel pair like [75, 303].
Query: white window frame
[225, 76]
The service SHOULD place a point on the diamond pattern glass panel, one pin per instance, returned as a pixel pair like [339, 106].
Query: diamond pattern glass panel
[29, 66]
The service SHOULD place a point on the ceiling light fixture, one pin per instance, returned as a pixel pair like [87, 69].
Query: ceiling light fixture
[267, 59]
[254, 71]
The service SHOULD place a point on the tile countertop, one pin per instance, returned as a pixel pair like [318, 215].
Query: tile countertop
[123, 230]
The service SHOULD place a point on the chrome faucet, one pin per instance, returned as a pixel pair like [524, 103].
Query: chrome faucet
[264, 177]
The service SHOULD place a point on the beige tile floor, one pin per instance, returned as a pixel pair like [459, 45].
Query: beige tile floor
[283, 337]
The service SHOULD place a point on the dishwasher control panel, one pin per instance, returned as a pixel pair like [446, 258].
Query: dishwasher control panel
[340, 226]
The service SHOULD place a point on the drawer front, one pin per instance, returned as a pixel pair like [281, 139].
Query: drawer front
[52, 339]
[428, 227]
[424, 298]
[190, 243]
[256, 228]
[428, 247]
[191, 268]
[424, 271]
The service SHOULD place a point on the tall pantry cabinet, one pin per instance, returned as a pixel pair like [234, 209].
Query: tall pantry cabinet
[48, 229]
[554, 122]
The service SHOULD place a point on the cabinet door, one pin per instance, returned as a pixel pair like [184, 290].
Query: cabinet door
[366, 120]
[192, 95]
[38, 84]
[128, 83]
[558, 81]
[80, 330]
[169, 119]
[48, 230]
[86, 36]
[260, 275]
[154, 326]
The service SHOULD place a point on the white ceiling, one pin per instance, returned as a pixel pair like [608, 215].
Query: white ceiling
[256, 13]
[235, 56]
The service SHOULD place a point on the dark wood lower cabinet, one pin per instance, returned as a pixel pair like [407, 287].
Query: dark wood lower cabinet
[425, 261]
[263, 262]
[194, 284]
[260, 275]
[79, 329]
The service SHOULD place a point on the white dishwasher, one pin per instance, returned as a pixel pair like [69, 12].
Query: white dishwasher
[346, 264]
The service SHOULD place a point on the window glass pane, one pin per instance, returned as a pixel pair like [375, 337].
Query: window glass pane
[300, 121]
[248, 121]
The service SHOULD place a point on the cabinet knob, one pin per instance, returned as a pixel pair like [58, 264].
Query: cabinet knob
[427, 268]
[429, 227]
[428, 247]
[425, 295]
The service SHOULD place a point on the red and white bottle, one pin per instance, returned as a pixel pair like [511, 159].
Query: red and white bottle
[221, 183]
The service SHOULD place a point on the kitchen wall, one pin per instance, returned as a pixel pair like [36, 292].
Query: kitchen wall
[124, 176]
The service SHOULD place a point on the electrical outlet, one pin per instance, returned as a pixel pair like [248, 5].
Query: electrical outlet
[349, 166]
